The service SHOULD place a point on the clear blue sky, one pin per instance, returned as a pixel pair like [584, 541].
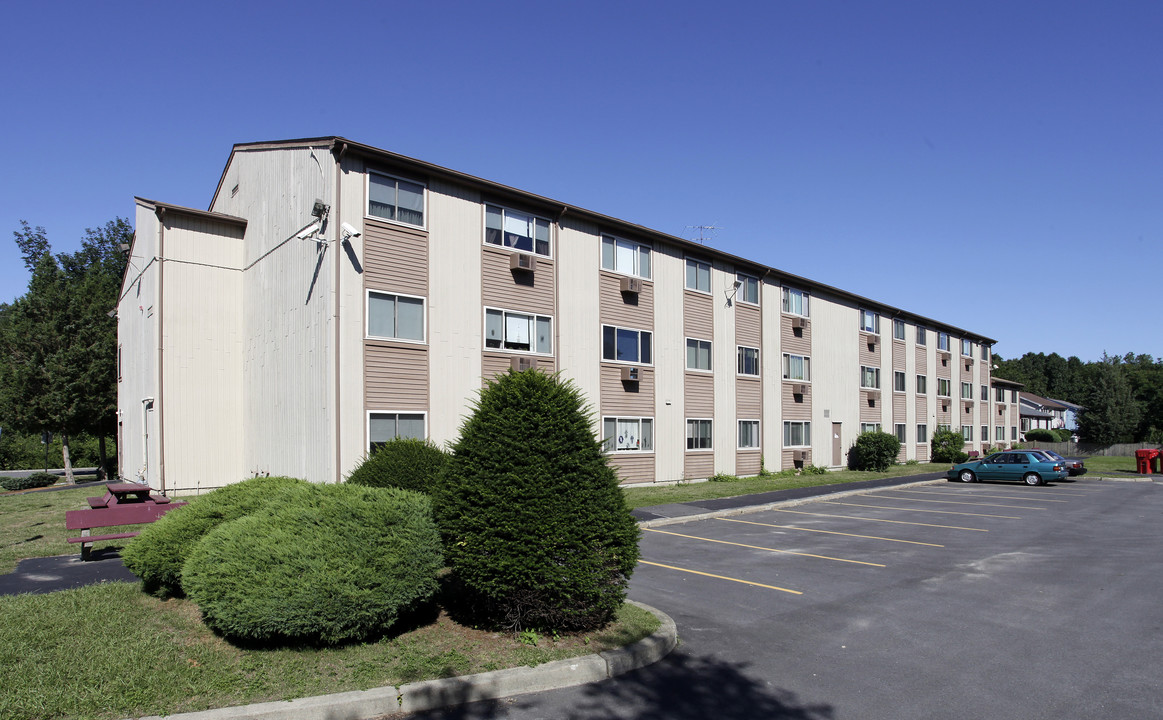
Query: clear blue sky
[994, 165]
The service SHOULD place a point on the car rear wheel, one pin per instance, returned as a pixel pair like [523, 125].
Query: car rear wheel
[967, 476]
[1032, 479]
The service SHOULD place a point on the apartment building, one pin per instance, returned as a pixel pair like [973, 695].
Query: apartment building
[335, 295]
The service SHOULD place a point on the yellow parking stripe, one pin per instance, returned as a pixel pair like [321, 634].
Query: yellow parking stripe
[976, 493]
[955, 502]
[940, 512]
[720, 577]
[756, 547]
[868, 519]
[830, 532]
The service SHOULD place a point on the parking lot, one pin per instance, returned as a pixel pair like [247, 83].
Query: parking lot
[937, 600]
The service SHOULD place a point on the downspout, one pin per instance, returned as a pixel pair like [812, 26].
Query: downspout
[338, 297]
[160, 395]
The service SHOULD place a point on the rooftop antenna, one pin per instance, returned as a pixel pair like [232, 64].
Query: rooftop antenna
[703, 229]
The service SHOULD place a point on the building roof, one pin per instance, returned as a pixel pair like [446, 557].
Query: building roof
[1068, 405]
[341, 146]
[1002, 382]
[1041, 401]
[169, 207]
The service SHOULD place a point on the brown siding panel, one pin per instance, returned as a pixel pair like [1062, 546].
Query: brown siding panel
[396, 377]
[515, 290]
[633, 467]
[699, 465]
[748, 399]
[747, 321]
[698, 316]
[796, 408]
[790, 456]
[493, 364]
[699, 395]
[395, 259]
[794, 341]
[898, 355]
[625, 309]
[747, 462]
[627, 399]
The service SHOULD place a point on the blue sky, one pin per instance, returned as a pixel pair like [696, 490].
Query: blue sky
[994, 165]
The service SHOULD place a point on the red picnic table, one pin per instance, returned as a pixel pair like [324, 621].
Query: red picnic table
[123, 504]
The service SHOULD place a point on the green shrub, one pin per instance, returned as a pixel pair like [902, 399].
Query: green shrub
[1041, 435]
[35, 480]
[326, 564]
[948, 446]
[874, 451]
[157, 555]
[535, 527]
[722, 477]
[402, 463]
[912, 461]
[815, 470]
[1063, 434]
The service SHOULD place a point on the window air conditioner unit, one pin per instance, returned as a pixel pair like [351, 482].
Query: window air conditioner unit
[802, 455]
[522, 261]
[520, 364]
[630, 285]
[631, 374]
[799, 389]
[799, 323]
[871, 340]
[944, 407]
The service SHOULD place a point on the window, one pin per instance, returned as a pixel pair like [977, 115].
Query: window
[921, 336]
[518, 332]
[999, 433]
[985, 392]
[869, 377]
[623, 256]
[1025, 424]
[517, 230]
[898, 329]
[398, 317]
[628, 434]
[1013, 432]
[984, 352]
[795, 302]
[999, 395]
[943, 387]
[624, 345]
[797, 367]
[943, 428]
[748, 361]
[797, 434]
[922, 433]
[382, 427]
[698, 354]
[395, 199]
[869, 427]
[698, 276]
[869, 321]
[898, 381]
[967, 348]
[985, 433]
[1013, 396]
[967, 432]
[966, 391]
[922, 385]
[698, 434]
[900, 432]
[748, 434]
[943, 341]
[748, 288]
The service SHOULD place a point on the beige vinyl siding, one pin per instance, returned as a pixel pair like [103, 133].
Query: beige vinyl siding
[395, 259]
[749, 398]
[494, 363]
[625, 309]
[669, 271]
[627, 398]
[510, 290]
[699, 464]
[795, 341]
[396, 376]
[771, 427]
[922, 413]
[898, 355]
[747, 325]
[790, 458]
[633, 467]
[352, 297]
[747, 462]
[871, 358]
[700, 396]
[797, 407]
[577, 331]
[923, 451]
[697, 316]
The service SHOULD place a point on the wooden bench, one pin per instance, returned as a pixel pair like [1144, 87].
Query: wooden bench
[112, 516]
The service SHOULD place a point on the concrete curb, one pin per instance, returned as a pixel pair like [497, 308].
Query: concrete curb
[433, 694]
[1129, 478]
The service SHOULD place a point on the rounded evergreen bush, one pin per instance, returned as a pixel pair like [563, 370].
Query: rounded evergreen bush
[28, 482]
[325, 564]
[158, 553]
[875, 451]
[947, 446]
[403, 463]
[535, 527]
[1040, 435]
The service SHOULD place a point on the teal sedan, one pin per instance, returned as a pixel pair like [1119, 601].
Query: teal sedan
[1016, 465]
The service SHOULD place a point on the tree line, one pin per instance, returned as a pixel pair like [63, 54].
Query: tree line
[58, 341]
[1123, 395]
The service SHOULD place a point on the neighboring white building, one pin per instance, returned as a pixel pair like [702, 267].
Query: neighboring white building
[335, 295]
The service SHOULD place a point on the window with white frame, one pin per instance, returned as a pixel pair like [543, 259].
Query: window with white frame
[625, 256]
[921, 340]
[797, 433]
[797, 367]
[385, 426]
[898, 329]
[869, 321]
[966, 391]
[395, 317]
[1026, 424]
[943, 341]
[626, 345]
[922, 385]
[394, 199]
[899, 430]
[967, 432]
[698, 354]
[999, 395]
[967, 348]
[516, 230]
[698, 275]
[1013, 432]
[748, 361]
[943, 387]
[1013, 396]
[796, 302]
[922, 434]
[985, 433]
[984, 351]
[898, 381]
[628, 434]
[748, 288]
[518, 332]
[698, 434]
[999, 433]
[748, 434]
[869, 377]
[985, 392]
[869, 427]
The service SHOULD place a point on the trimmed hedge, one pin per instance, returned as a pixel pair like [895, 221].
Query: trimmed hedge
[1041, 435]
[874, 451]
[402, 463]
[535, 527]
[35, 480]
[158, 553]
[326, 564]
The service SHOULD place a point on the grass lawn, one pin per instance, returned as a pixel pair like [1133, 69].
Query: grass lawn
[1099, 464]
